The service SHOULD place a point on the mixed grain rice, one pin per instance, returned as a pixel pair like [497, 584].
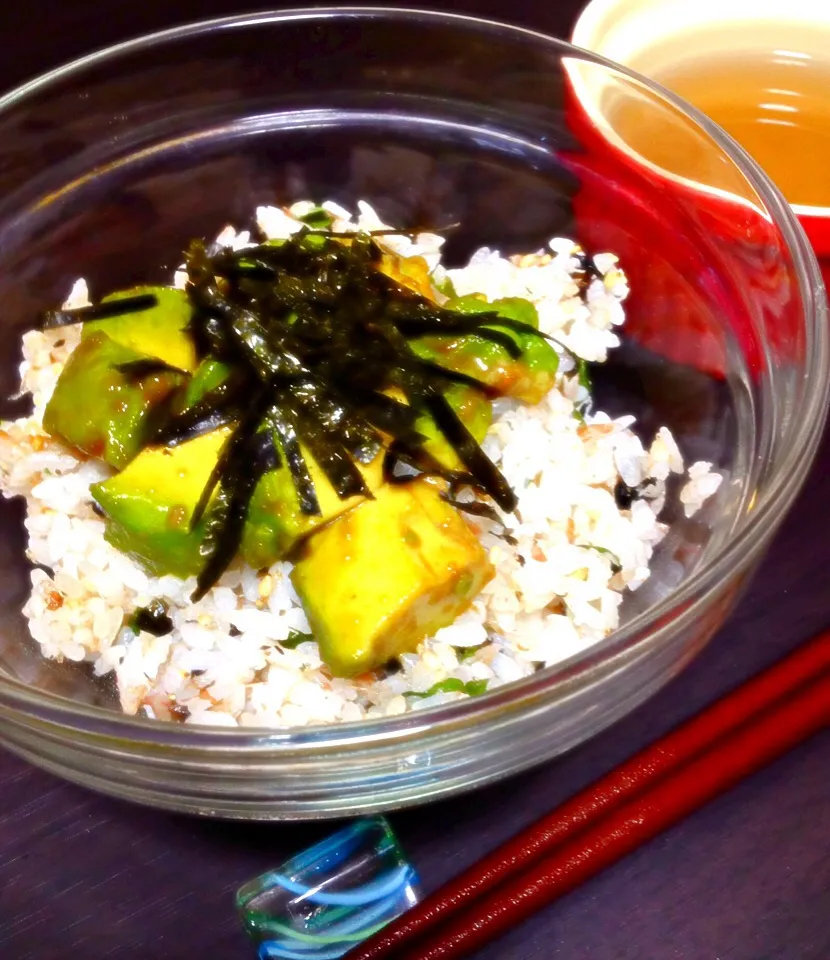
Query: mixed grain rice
[554, 592]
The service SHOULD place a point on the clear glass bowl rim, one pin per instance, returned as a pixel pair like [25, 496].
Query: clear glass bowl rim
[791, 468]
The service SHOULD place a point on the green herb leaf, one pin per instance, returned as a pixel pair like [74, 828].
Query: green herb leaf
[467, 653]
[318, 219]
[616, 566]
[583, 373]
[444, 285]
[295, 638]
[473, 688]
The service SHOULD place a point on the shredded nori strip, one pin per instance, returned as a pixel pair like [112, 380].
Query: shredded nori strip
[152, 619]
[224, 536]
[589, 271]
[232, 462]
[456, 376]
[282, 424]
[470, 453]
[419, 327]
[476, 508]
[145, 367]
[624, 495]
[225, 527]
[216, 408]
[100, 311]
[390, 415]
[334, 460]
[397, 456]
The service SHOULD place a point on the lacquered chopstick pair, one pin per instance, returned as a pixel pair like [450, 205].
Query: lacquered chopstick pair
[703, 757]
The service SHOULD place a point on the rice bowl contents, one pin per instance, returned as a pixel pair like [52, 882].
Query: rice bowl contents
[540, 576]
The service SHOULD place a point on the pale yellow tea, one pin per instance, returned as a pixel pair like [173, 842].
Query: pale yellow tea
[769, 89]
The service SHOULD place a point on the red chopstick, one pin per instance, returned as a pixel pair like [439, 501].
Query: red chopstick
[703, 757]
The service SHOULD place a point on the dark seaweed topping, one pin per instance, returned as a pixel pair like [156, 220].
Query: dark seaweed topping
[588, 270]
[487, 476]
[624, 495]
[316, 332]
[282, 424]
[152, 619]
[215, 409]
[145, 367]
[400, 467]
[319, 342]
[240, 466]
[100, 311]
[475, 508]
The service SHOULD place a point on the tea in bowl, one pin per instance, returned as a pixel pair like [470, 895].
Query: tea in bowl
[758, 68]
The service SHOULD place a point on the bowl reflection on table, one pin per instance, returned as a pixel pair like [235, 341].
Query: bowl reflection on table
[111, 165]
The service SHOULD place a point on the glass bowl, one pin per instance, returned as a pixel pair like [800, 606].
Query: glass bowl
[109, 165]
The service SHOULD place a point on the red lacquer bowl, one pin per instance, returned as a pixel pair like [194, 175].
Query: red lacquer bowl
[709, 258]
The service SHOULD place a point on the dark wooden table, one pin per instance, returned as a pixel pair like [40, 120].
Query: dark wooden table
[748, 878]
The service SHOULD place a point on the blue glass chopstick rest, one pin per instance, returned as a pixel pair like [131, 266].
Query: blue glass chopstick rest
[330, 897]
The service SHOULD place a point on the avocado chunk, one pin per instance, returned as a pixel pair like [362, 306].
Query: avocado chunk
[208, 375]
[275, 523]
[100, 410]
[410, 272]
[159, 331]
[388, 574]
[150, 503]
[527, 377]
[471, 407]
